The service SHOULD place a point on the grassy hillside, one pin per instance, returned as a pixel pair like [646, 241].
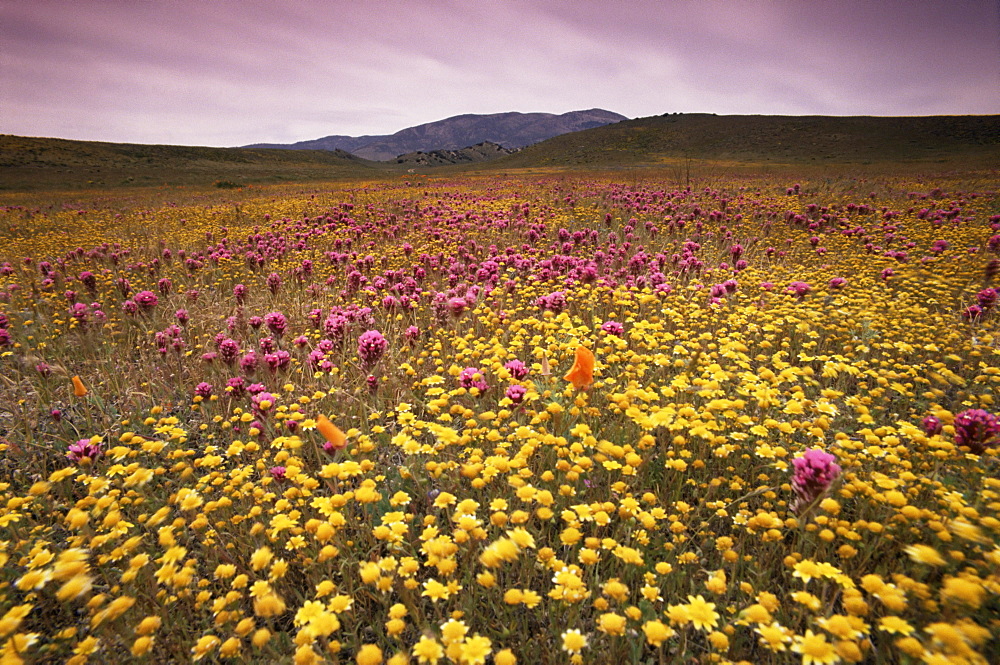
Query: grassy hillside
[771, 139]
[672, 141]
[41, 163]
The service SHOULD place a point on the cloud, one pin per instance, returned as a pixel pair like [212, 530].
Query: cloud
[230, 73]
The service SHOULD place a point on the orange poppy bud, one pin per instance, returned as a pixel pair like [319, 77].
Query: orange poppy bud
[79, 389]
[581, 374]
[331, 433]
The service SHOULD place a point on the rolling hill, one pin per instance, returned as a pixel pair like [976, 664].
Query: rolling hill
[823, 141]
[772, 139]
[43, 163]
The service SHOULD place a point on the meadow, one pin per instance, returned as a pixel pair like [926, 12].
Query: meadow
[557, 418]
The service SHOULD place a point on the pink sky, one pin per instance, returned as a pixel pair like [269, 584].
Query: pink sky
[226, 72]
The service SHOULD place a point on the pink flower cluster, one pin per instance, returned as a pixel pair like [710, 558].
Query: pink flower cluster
[813, 473]
[371, 347]
[799, 289]
[83, 451]
[276, 322]
[613, 328]
[515, 393]
[518, 370]
[554, 302]
[262, 402]
[472, 377]
[146, 300]
[985, 300]
[977, 429]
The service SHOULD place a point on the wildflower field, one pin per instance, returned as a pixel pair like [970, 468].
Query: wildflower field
[537, 419]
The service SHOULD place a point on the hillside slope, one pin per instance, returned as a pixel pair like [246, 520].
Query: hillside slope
[43, 163]
[776, 139]
[481, 152]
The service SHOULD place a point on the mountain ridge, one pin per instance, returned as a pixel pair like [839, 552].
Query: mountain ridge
[510, 129]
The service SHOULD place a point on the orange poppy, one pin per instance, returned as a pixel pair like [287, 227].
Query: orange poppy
[79, 389]
[331, 432]
[581, 374]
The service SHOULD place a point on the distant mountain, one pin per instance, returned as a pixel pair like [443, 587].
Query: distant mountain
[510, 130]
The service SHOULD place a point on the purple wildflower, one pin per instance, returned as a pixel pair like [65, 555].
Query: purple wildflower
[799, 289]
[987, 298]
[277, 360]
[277, 322]
[518, 370]
[274, 283]
[554, 302]
[472, 377]
[262, 402]
[236, 386]
[977, 429]
[146, 300]
[371, 346]
[516, 393]
[248, 363]
[457, 305]
[931, 425]
[228, 350]
[972, 313]
[613, 328]
[89, 280]
[84, 452]
[814, 472]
